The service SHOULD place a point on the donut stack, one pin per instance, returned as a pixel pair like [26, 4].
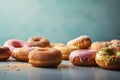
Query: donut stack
[80, 51]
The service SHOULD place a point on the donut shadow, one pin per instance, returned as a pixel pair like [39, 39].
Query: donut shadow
[13, 60]
[110, 69]
[59, 67]
[8, 60]
[80, 65]
[63, 66]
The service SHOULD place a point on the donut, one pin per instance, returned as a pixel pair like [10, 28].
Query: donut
[83, 42]
[45, 57]
[115, 41]
[38, 41]
[15, 43]
[99, 44]
[56, 44]
[83, 57]
[66, 50]
[108, 58]
[21, 54]
[4, 53]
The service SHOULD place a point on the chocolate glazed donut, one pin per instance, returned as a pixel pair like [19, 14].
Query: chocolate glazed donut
[4, 53]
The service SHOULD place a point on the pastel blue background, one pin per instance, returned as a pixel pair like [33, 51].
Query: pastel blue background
[59, 20]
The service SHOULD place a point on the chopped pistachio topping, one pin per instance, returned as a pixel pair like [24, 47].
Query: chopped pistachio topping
[111, 59]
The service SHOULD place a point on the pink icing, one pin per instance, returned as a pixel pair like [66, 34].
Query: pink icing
[15, 43]
[83, 54]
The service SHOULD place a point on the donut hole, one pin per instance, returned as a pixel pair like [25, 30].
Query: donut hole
[17, 44]
[43, 44]
[37, 39]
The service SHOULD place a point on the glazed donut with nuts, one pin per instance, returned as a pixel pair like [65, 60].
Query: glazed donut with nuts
[45, 57]
[108, 58]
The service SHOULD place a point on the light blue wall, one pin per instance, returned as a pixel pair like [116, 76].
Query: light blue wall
[59, 20]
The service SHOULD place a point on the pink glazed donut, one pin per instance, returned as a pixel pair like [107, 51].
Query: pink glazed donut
[15, 43]
[83, 57]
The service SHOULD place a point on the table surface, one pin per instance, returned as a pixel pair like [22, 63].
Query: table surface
[65, 71]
